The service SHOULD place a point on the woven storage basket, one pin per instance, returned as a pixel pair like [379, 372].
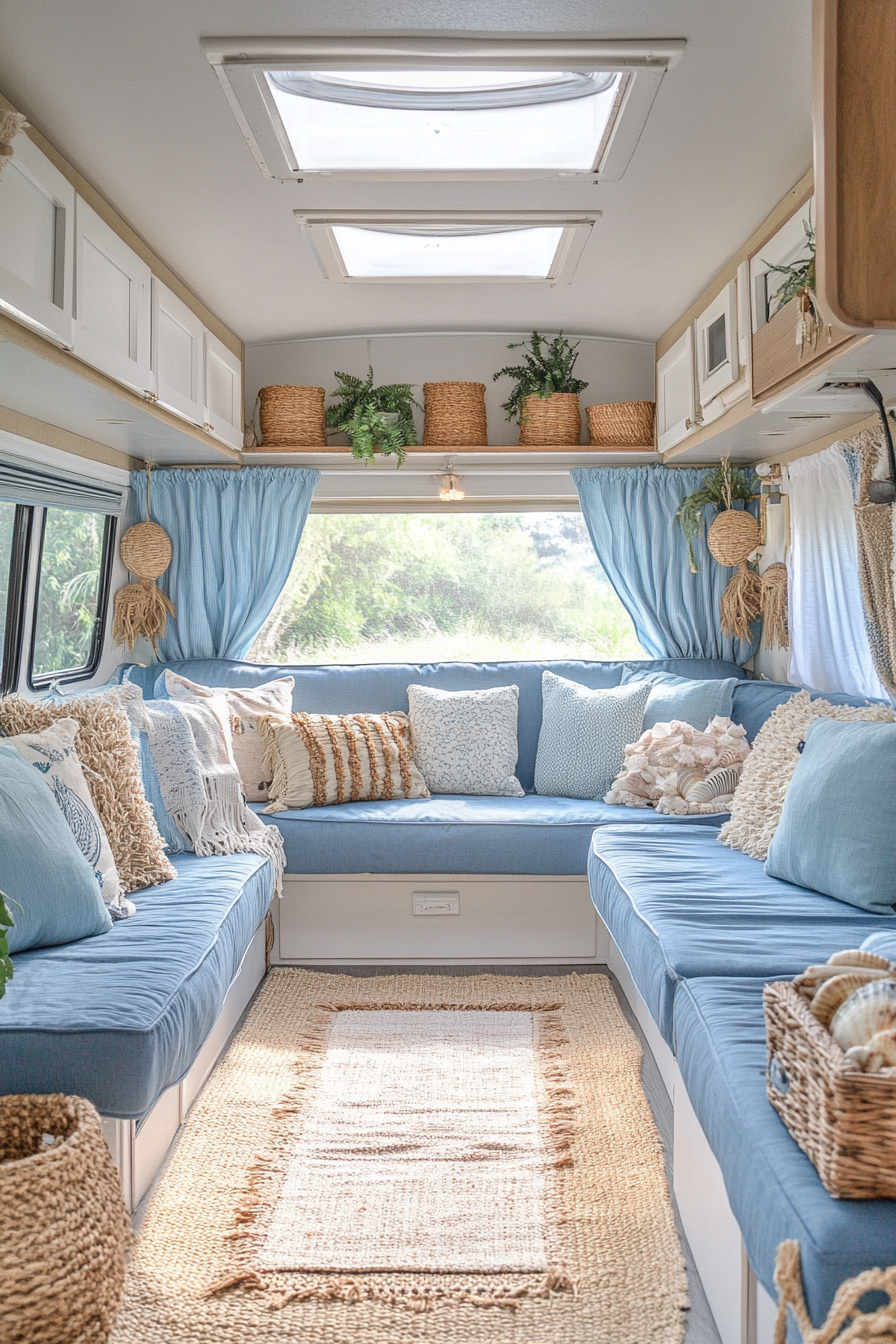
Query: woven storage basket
[843, 1119]
[292, 417]
[454, 414]
[548, 420]
[146, 550]
[733, 536]
[64, 1233]
[621, 424]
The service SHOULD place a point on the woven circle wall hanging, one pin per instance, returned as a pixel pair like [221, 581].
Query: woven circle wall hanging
[733, 537]
[142, 609]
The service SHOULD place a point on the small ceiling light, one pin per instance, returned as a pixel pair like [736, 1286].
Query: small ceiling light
[450, 488]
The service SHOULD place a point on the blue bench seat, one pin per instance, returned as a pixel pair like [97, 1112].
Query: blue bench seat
[120, 1017]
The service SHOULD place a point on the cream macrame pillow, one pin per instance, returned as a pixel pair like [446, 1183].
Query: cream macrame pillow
[756, 809]
[680, 770]
[313, 760]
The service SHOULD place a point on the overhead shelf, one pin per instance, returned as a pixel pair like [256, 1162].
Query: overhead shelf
[577, 453]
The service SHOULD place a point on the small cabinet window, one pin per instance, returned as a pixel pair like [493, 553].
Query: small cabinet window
[717, 349]
[177, 355]
[72, 594]
[112, 327]
[223, 393]
[675, 401]
[37, 212]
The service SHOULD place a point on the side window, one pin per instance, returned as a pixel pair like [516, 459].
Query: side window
[72, 594]
[15, 539]
[7, 536]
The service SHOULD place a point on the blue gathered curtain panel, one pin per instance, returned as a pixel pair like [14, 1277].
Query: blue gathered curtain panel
[630, 516]
[234, 536]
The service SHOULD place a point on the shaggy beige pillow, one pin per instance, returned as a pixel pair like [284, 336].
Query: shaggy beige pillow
[757, 804]
[680, 770]
[111, 764]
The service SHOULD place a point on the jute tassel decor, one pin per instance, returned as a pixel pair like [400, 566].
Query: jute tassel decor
[142, 609]
[10, 125]
[871, 1327]
[734, 535]
[775, 629]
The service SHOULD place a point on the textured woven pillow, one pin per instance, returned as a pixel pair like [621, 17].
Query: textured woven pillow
[245, 706]
[111, 764]
[584, 734]
[314, 760]
[756, 807]
[53, 755]
[682, 771]
[465, 741]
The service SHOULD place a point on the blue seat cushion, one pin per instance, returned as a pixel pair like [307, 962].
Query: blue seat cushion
[773, 1189]
[120, 1018]
[680, 905]
[451, 833]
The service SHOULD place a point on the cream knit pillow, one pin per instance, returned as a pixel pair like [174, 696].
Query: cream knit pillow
[759, 797]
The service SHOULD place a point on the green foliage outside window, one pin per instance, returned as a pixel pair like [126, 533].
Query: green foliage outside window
[67, 602]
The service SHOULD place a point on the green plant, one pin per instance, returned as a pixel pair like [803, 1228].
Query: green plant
[361, 410]
[6, 922]
[798, 277]
[547, 369]
[721, 487]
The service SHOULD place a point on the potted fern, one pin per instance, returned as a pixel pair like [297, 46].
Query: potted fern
[798, 282]
[545, 400]
[376, 419]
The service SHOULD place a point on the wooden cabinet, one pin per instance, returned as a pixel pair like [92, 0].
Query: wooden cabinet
[37, 225]
[223, 393]
[112, 297]
[675, 393]
[177, 355]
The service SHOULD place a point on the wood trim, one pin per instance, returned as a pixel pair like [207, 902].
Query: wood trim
[133, 239]
[437, 449]
[776, 356]
[38, 431]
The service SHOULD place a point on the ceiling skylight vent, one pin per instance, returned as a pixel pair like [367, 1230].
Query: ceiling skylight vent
[434, 108]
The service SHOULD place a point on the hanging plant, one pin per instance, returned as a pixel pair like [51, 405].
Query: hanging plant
[547, 368]
[142, 609]
[376, 419]
[733, 536]
[722, 487]
[799, 283]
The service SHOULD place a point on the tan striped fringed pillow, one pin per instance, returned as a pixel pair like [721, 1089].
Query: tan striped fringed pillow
[313, 760]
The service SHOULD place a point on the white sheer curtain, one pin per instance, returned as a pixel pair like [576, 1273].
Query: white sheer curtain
[829, 646]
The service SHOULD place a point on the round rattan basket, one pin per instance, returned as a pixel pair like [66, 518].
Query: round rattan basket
[454, 414]
[733, 536]
[550, 420]
[292, 418]
[621, 424]
[64, 1232]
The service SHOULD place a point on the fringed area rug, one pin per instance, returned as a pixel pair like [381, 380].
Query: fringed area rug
[416, 1160]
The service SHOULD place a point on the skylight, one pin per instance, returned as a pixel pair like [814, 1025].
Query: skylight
[519, 253]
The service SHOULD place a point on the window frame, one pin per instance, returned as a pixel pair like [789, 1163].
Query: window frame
[40, 681]
[16, 598]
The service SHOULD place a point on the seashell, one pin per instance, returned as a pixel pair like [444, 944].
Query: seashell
[881, 1052]
[858, 1054]
[689, 778]
[715, 784]
[871, 1009]
[833, 993]
[814, 976]
[730, 756]
[859, 957]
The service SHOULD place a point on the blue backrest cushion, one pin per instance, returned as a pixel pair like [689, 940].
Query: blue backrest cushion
[584, 733]
[694, 702]
[375, 687]
[754, 701]
[837, 833]
[51, 890]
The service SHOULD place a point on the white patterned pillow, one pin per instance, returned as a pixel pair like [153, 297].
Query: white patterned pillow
[53, 754]
[465, 741]
[584, 734]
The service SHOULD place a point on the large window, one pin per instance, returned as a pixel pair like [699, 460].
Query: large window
[70, 606]
[457, 587]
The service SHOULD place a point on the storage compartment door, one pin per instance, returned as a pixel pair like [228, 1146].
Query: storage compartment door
[37, 225]
[177, 355]
[223, 393]
[675, 400]
[112, 326]
[716, 340]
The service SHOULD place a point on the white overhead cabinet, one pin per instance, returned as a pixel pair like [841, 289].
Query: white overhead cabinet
[675, 396]
[37, 225]
[223, 393]
[715, 332]
[112, 299]
[177, 355]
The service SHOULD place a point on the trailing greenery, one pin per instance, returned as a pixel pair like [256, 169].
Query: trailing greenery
[6, 922]
[799, 277]
[360, 410]
[721, 487]
[547, 369]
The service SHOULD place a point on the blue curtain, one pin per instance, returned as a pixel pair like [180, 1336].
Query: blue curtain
[234, 536]
[630, 515]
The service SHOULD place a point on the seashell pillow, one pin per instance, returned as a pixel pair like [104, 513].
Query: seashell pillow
[682, 771]
[756, 810]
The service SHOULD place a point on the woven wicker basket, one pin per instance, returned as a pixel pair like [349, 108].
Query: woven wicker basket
[63, 1226]
[733, 536]
[843, 1119]
[292, 418]
[146, 550]
[548, 420]
[454, 414]
[621, 424]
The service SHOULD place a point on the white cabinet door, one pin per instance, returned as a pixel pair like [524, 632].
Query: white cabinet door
[675, 400]
[112, 327]
[223, 393]
[715, 333]
[37, 229]
[177, 355]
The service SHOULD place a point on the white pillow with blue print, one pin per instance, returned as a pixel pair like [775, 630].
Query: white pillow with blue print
[584, 733]
[53, 755]
[466, 741]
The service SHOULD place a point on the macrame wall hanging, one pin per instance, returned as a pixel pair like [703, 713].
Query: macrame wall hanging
[775, 628]
[10, 125]
[732, 539]
[142, 609]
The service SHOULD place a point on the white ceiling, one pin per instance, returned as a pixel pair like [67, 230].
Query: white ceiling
[125, 92]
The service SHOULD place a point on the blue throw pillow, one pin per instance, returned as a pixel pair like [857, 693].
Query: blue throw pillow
[837, 832]
[584, 734]
[51, 891]
[693, 702]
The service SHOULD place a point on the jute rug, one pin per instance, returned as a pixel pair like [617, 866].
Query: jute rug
[416, 1160]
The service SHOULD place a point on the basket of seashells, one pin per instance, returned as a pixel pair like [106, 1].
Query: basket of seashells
[832, 1070]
